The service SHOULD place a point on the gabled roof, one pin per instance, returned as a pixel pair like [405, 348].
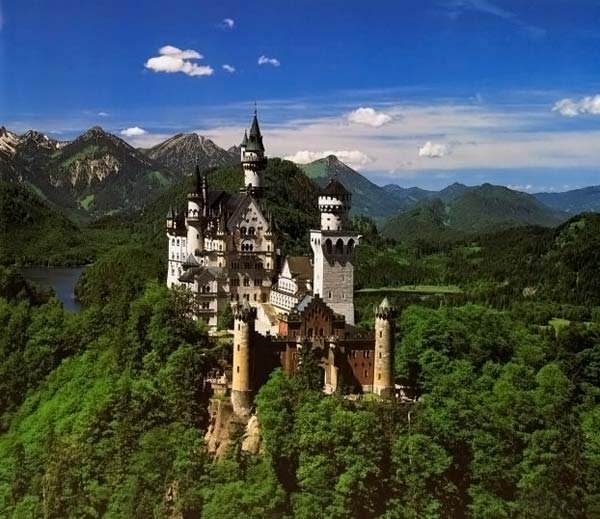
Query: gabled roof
[300, 266]
[202, 274]
[190, 262]
[334, 187]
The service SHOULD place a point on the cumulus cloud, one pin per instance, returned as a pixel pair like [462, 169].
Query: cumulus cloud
[353, 158]
[369, 116]
[433, 151]
[228, 68]
[574, 107]
[172, 59]
[227, 23]
[264, 60]
[134, 131]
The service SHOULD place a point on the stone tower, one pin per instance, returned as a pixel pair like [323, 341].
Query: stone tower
[196, 213]
[383, 378]
[254, 161]
[333, 249]
[242, 370]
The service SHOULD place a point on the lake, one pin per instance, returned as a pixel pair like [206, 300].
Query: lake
[61, 279]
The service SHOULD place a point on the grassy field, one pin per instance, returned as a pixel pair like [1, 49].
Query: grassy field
[413, 289]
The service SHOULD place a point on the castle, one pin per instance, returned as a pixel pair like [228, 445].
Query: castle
[223, 248]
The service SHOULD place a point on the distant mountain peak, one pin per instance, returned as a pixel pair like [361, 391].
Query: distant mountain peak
[180, 152]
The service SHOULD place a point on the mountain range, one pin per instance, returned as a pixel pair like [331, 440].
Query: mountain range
[462, 211]
[98, 173]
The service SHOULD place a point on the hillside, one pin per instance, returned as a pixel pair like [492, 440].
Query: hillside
[480, 209]
[31, 231]
[574, 201]
[181, 152]
[291, 197]
[367, 198]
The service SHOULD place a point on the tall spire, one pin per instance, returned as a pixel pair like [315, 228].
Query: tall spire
[197, 179]
[255, 142]
[205, 193]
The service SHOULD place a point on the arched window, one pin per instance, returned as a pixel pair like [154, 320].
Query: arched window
[243, 230]
[328, 246]
[251, 231]
[339, 247]
[350, 246]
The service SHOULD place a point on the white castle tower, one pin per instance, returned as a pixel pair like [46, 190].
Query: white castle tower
[253, 160]
[333, 249]
[196, 215]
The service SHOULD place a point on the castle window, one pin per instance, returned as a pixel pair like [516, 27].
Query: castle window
[329, 294]
[379, 354]
[268, 248]
[350, 246]
[328, 245]
[365, 373]
[177, 242]
[238, 347]
[238, 369]
[246, 282]
[339, 247]
[380, 333]
[243, 230]
[255, 297]
[379, 376]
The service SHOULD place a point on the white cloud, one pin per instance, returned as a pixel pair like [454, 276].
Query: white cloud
[134, 131]
[264, 60]
[353, 158]
[228, 68]
[227, 23]
[173, 60]
[103, 114]
[433, 151]
[573, 107]
[369, 116]
[520, 187]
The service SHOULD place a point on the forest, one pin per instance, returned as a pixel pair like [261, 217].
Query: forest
[103, 412]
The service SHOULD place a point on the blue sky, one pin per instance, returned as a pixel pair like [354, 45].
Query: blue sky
[423, 92]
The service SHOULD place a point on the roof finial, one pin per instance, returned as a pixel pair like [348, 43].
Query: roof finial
[255, 110]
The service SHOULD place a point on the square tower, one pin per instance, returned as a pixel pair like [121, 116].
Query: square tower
[333, 249]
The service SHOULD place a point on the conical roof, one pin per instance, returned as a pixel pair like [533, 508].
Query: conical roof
[385, 303]
[255, 142]
[245, 139]
[335, 187]
[197, 179]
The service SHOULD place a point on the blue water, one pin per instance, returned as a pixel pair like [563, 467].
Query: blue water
[61, 279]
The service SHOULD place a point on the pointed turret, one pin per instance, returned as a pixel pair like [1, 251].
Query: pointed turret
[255, 142]
[197, 179]
[253, 160]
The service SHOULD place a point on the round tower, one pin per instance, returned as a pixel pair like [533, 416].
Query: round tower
[383, 378]
[334, 206]
[241, 384]
[196, 211]
[254, 161]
